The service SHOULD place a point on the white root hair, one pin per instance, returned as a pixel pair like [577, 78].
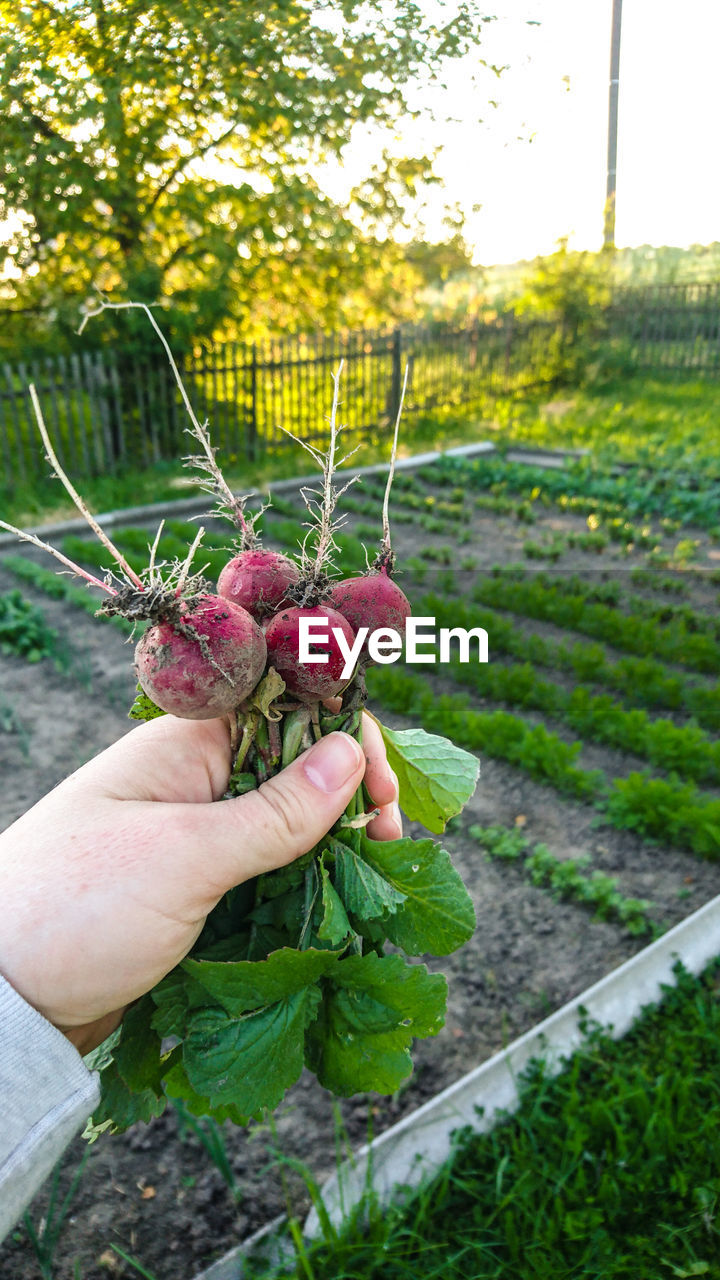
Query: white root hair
[216, 485]
[319, 542]
[386, 545]
[99, 532]
[69, 564]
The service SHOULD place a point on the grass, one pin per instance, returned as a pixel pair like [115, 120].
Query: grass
[169, 482]
[607, 1172]
[44, 1231]
[656, 421]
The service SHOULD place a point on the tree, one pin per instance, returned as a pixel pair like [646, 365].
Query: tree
[170, 149]
[574, 288]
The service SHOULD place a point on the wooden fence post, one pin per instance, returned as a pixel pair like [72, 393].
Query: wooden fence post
[509, 334]
[251, 425]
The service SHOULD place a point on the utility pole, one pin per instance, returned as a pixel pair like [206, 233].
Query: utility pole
[609, 221]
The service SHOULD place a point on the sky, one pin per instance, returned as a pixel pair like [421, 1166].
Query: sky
[536, 163]
[532, 169]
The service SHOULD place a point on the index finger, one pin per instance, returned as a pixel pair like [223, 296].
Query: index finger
[381, 783]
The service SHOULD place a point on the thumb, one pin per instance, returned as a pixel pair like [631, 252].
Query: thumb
[288, 814]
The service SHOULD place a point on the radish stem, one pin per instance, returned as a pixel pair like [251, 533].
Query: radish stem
[45, 546]
[386, 547]
[96, 528]
[188, 561]
[199, 431]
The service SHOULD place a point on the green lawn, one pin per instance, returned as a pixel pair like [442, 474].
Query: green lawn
[611, 1171]
[656, 421]
[167, 482]
[651, 419]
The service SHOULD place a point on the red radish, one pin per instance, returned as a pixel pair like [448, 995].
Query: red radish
[205, 663]
[258, 581]
[309, 681]
[372, 601]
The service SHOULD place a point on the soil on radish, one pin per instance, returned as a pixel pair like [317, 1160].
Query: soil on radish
[154, 1191]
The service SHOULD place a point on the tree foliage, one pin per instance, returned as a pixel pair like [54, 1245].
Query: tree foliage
[172, 148]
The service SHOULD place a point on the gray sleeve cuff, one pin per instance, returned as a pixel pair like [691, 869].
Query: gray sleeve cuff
[46, 1095]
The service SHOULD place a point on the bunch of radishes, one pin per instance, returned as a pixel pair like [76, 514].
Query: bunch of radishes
[209, 654]
[209, 657]
[236, 650]
[314, 932]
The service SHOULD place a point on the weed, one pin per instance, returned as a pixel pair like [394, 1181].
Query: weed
[44, 1232]
[210, 1136]
[23, 629]
[608, 1170]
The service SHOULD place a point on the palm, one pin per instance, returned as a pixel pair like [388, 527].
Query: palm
[132, 853]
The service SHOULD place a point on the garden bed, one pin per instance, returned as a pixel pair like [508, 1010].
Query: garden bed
[154, 1192]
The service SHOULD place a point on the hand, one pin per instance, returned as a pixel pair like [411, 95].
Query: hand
[106, 882]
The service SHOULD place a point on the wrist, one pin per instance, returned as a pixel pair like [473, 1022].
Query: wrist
[88, 1036]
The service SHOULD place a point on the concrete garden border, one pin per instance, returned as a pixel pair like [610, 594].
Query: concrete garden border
[194, 506]
[416, 1147]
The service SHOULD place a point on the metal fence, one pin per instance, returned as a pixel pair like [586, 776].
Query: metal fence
[111, 409]
[672, 328]
[108, 409]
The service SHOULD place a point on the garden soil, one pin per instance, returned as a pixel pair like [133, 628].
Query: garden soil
[154, 1192]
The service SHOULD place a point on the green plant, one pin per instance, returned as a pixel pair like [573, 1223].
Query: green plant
[437, 555]
[59, 588]
[666, 810]
[552, 550]
[45, 1231]
[133, 1262]
[641, 681]
[606, 1169]
[210, 1136]
[541, 754]
[681, 749]
[568, 878]
[290, 967]
[654, 807]
[571, 606]
[23, 629]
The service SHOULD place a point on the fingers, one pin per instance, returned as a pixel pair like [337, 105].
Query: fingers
[380, 781]
[387, 825]
[381, 785]
[284, 818]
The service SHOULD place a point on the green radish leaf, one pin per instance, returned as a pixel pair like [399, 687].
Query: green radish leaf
[241, 783]
[437, 915]
[98, 1059]
[244, 985]
[285, 914]
[362, 890]
[170, 997]
[138, 1055]
[248, 1052]
[273, 883]
[177, 1085]
[435, 777]
[272, 686]
[334, 926]
[372, 1007]
[249, 1061]
[143, 708]
[120, 1106]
